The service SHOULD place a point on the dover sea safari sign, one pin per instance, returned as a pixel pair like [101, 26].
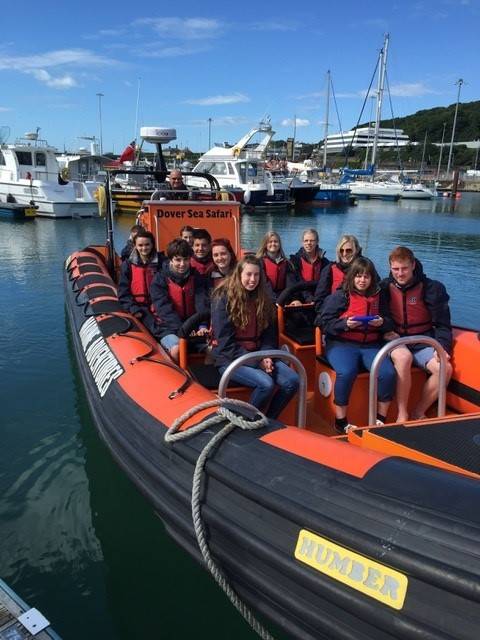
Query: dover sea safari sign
[165, 219]
[363, 574]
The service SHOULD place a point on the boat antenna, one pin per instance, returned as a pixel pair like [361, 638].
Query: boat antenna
[394, 125]
[459, 83]
[381, 84]
[136, 112]
[327, 108]
[109, 227]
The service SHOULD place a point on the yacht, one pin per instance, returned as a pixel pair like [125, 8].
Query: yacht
[29, 172]
[240, 168]
[417, 191]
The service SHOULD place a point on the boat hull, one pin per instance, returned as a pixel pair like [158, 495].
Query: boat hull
[281, 503]
[12, 211]
[53, 201]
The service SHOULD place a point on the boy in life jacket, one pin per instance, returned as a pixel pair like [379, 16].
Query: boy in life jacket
[202, 255]
[136, 276]
[309, 261]
[128, 248]
[178, 291]
[418, 306]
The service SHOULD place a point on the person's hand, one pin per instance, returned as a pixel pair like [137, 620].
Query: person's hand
[267, 365]
[353, 324]
[447, 355]
[202, 331]
[376, 322]
[295, 303]
[138, 314]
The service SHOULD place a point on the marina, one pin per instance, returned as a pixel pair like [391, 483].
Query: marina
[94, 560]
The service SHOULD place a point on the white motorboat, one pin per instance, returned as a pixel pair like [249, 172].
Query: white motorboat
[240, 168]
[29, 171]
[417, 191]
[384, 190]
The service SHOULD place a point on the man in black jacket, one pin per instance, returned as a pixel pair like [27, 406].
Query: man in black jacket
[418, 306]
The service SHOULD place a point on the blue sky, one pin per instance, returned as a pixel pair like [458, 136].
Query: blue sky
[234, 63]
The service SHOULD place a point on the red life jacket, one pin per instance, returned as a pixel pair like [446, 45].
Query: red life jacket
[310, 270]
[248, 336]
[202, 267]
[183, 297]
[141, 279]
[338, 277]
[409, 311]
[276, 273]
[359, 305]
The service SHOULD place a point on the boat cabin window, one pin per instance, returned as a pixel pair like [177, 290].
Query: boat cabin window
[2, 158]
[40, 159]
[231, 170]
[24, 158]
[218, 169]
[247, 170]
[205, 167]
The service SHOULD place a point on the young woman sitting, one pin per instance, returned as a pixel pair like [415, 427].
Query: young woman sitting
[354, 319]
[136, 276]
[243, 321]
[333, 275]
[278, 269]
[224, 260]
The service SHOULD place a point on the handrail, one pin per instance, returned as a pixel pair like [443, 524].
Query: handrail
[280, 355]
[385, 351]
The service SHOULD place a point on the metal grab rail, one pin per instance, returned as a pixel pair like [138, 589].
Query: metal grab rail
[280, 355]
[385, 351]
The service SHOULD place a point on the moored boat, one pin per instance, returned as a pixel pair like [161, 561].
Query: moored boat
[15, 211]
[374, 535]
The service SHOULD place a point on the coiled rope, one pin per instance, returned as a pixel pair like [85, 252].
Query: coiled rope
[174, 435]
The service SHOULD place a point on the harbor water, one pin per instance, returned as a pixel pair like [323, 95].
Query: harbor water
[77, 541]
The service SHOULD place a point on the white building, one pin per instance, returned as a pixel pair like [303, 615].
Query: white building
[363, 137]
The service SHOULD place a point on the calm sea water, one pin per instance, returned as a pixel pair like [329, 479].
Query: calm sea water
[76, 539]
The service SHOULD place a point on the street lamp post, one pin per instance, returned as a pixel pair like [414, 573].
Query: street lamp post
[459, 83]
[100, 96]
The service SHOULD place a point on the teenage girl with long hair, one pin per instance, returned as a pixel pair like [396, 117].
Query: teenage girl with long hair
[243, 321]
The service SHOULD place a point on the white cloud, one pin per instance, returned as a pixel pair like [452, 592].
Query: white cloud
[62, 82]
[152, 51]
[5, 109]
[410, 89]
[216, 100]
[300, 122]
[37, 65]
[183, 28]
[274, 25]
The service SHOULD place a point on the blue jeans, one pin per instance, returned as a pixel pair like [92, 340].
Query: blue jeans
[282, 377]
[347, 360]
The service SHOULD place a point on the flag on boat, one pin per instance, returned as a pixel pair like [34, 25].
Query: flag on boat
[128, 153]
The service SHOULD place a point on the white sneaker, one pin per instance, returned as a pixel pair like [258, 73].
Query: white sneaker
[379, 423]
[350, 427]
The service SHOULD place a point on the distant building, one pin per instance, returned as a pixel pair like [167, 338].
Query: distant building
[363, 137]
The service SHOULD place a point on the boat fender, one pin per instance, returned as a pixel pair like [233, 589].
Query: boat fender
[101, 197]
[270, 189]
[325, 385]
[246, 196]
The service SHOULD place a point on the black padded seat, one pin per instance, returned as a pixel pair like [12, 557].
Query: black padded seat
[106, 306]
[83, 281]
[86, 260]
[116, 324]
[89, 268]
[100, 291]
[302, 335]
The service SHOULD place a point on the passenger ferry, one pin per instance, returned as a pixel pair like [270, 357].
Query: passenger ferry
[374, 535]
[29, 173]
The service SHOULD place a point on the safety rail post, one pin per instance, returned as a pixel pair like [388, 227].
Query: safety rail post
[385, 351]
[280, 355]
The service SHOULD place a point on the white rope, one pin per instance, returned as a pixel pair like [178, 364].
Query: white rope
[174, 435]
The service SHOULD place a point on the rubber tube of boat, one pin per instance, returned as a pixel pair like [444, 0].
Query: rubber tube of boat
[246, 196]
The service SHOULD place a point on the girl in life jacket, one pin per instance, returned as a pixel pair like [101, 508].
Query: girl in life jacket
[178, 291]
[136, 276]
[278, 269]
[309, 261]
[354, 320]
[333, 275]
[224, 260]
[243, 321]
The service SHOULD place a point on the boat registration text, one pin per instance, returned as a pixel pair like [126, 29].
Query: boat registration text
[363, 574]
[103, 364]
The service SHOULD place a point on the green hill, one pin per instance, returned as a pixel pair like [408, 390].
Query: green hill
[432, 120]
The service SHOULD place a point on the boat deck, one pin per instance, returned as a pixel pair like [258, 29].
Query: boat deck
[20, 622]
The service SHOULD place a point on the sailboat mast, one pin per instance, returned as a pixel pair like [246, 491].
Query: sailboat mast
[381, 84]
[459, 83]
[326, 122]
